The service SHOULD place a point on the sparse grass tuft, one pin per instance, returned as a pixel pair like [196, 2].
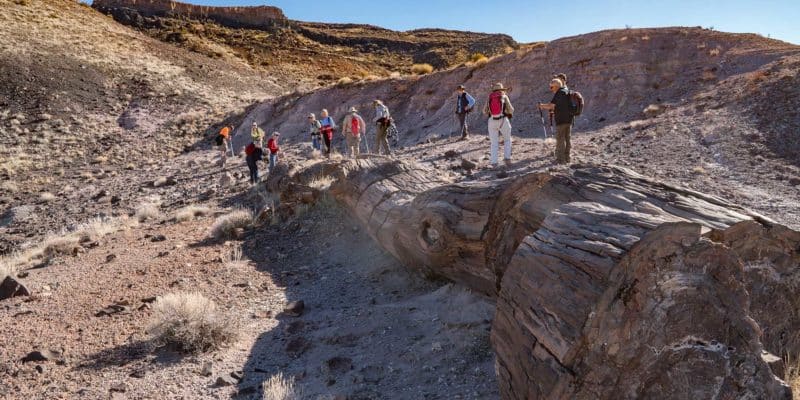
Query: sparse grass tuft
[421, 69]
[190, 322]
[698, 170]
[279, 388]
[476, 56]
[225, 226]
[147, 211]
[10, 187]
[322, 182]
[480, 62]
[792, 376]
[232, 258]
[189, 213]
[6, 269]
[47, 197]
[344, 81]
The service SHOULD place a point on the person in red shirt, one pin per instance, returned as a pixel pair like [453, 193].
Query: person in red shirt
[272, 145]
[253, 156]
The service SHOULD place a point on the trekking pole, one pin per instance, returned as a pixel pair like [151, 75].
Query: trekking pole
[544, 127]
[366, 141]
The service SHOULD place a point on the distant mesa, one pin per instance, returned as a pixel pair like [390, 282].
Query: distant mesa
[259, 17]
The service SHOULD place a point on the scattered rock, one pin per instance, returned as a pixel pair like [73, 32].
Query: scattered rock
[226, 180]
[149, 299]
[138, 374]
[208, 369]
[794, 181]
[111, 257]
[450, 154]
[501, 174]
[468, 165]
[159, 182]
[116, 308]
[40, 369]
[225, 380]
[338, 365]
[297, 346]
[10, 287]
[238, 375]
[120, 387]
[40, 356]
[295, 308]
[158, 238]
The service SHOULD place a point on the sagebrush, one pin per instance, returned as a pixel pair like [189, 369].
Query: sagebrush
[191, 212]
[421, 69]
[190, 322]
[225, 226]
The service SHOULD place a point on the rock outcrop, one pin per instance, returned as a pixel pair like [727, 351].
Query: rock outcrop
[260, 17]
[608, 284]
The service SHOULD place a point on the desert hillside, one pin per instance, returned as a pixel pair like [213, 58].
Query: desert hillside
[306, 54]
[662, 263]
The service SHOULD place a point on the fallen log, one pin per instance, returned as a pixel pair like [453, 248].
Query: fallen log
[598, 273]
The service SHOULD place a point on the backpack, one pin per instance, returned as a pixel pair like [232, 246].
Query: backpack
[354, 126]
[219, 140]
[576, 101]
[496, 104]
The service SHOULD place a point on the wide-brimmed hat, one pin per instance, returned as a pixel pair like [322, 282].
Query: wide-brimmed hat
[498, 86]
[352, 110]
[255, 123]
[461, 87]
[312, 116]
[376, 101]
[276, 134]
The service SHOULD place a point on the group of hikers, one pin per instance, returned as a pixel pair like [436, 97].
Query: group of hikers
[564, 106]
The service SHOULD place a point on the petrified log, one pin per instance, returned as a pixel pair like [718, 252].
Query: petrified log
[608, 284]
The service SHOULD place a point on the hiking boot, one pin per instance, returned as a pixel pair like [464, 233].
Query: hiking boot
[507, 161]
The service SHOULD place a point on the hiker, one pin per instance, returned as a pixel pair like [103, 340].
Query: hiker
[464, 105]
[253, 154]
[561, 106]
[500, 112]
[353, 127]
[257, 134]
[272, 145]
[383, 121]
[327, 126]
[563, 77]
[314, 129]
[223, 141]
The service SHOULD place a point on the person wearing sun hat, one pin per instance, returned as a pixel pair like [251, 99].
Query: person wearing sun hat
[314, 130]
[464, 105]
[353, 127]
[500, 112]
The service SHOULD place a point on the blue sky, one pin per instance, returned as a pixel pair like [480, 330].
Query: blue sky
[534, 20]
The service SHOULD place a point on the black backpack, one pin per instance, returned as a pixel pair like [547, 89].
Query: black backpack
[219, 140]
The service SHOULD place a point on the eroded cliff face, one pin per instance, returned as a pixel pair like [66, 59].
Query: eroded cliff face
[608, 284]
[236, 17]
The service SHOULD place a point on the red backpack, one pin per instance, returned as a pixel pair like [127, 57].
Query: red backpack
[496, 106]
[354, 126]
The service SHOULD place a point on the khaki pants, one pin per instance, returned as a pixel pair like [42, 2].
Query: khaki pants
[499, 127]
[563, 143]
[352, 144]
[382, 141]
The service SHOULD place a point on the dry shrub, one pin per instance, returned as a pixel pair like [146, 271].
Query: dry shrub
[56, 245]
[344, 81]
[713, 52]
[475, 57]
[98, 227]
[421, 69]
[10, 187]
[147, 211]
[232, 258]
[279, 388]
[191, 212]
[698, 170]
[225, 226]
[6, 269]
[190, 322]
[394, 75]
[481, 62]
[792, 375]
[322, 182]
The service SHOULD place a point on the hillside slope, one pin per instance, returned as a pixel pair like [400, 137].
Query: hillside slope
[306, 54]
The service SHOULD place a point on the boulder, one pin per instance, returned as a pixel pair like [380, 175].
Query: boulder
[10, 287]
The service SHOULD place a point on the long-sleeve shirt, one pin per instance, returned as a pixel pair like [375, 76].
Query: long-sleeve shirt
[381, 111]
[347, 125]
[461, 108]
[257, 133]
[328, 121]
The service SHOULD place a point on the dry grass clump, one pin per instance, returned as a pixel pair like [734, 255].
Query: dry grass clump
[47, 197]
[190, 322]
[191, 212]
[322, 182]
[225, 226]
[279, 388]
[344, 81]
[232, 258]
[6, 269]
[147, 211]
[421, 69]
[9, 186]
